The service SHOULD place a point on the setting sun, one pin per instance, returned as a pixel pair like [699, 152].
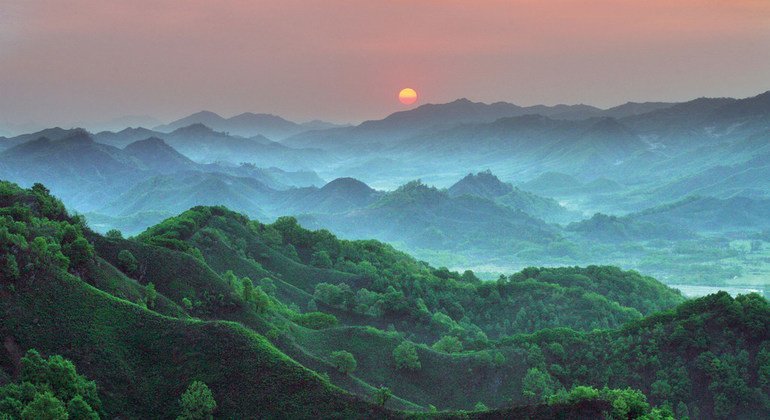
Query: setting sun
[407, 96]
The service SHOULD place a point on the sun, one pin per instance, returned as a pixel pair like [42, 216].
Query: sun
[407, 96]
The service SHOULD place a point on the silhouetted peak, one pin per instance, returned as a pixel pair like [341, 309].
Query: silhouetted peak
[252, 115]
[129, 130]
[461, 101]
[196, 128]
[483, 184]
[77, 136]
[152, 143]
[204, 114]
[347, 185]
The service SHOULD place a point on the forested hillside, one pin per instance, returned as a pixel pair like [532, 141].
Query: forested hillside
[349, 326]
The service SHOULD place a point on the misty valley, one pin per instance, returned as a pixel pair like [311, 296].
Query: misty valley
[455, 260]
[675, 190]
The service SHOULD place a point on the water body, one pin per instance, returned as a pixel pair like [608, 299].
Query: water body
[693, 291]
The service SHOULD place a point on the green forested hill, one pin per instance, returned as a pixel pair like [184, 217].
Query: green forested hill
[280, 321]
[708, 357]
[487, 185]
[421, 216]
[141, 360]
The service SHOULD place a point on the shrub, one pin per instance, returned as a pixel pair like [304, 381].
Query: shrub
[343, 361]
[316, 320]
[405, 355]
[321, 259]
[151, 295]
[197, 402]
[537, 385]
[382, 395]
[127, 262]
[448, 344]
[261, 300]
[114, 234]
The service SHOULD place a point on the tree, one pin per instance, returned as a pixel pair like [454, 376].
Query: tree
[34, 369]
[582, 393]
[44, 406]
[448, 344]
[682, 412]
[78, 409]
[405, 355]
[470, 277]
[59, 376]
[261, 300]
[151, 295]
[343, 361]
[330, 294]
[127, 262]
[537, 385]
[10, 269]
[312, 305]
[321, 259]
[114, 234]
[10, 407]
[480, 406]
[62, 378]
[231, 279]
[763, 366]
[248, 289]
[382, 395]
[197, 402]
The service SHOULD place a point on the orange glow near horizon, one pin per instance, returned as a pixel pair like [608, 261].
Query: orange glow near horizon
[407, 96]
[77, 62]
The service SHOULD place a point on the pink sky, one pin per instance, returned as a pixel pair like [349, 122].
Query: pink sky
[63, 61]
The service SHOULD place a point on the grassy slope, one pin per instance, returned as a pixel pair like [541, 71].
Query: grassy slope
[444, 380]
[142, 361]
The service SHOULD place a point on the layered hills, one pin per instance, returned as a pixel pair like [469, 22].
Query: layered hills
[262, 312]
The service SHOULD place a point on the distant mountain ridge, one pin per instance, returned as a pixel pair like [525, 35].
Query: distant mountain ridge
[402, 124]
[90, 174]
[247, 124]
[424, 217]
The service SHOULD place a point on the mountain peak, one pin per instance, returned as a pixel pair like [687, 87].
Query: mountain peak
[194, 129]
[156, 155]
[347, 184]
[78, 136]
[252, 115]
[151, 142]
[483, 184]
[205, 114]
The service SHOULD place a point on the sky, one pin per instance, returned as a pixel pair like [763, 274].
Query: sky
[66, 62]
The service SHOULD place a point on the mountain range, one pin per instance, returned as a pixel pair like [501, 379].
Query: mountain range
[247, 124]
[566, 185]
[90, 174]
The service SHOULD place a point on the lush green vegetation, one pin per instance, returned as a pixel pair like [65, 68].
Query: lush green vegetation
[49, 389]
[209, 313]
[716, 343]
